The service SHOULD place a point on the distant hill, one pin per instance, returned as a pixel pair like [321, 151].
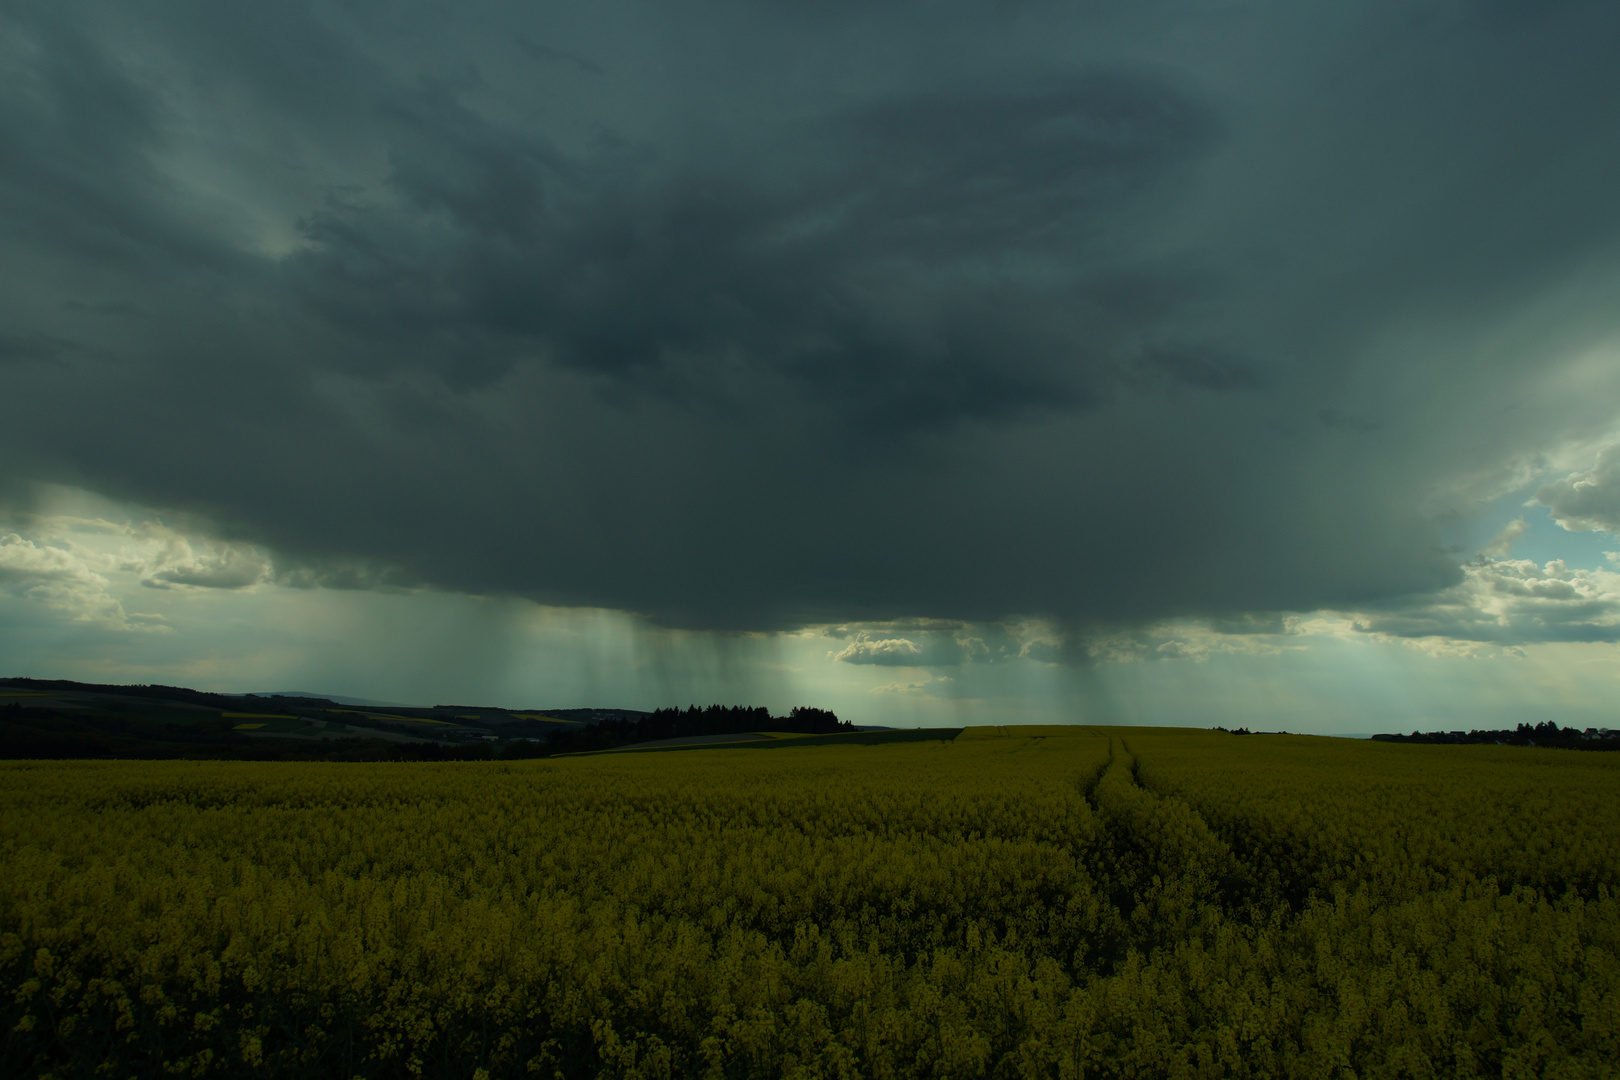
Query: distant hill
[59, 718]
[335, 698]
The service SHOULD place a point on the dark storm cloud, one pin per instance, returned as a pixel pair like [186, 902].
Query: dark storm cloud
[17, 349]
[749, 315]
[1203, 368]
[894, 259]
[557, 56]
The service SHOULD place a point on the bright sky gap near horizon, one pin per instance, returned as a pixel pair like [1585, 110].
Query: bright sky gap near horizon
[1159, 363]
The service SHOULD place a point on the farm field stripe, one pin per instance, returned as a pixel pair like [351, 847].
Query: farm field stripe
[1047, 906]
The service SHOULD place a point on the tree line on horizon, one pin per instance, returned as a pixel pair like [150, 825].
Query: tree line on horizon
[677, 723]
[1546, 733]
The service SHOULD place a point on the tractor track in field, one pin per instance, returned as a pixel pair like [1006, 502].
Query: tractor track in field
[1169, 873]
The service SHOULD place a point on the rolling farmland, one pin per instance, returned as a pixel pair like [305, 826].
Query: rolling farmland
[1002, 902]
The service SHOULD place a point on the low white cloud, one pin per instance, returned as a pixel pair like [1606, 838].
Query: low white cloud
[949, 646]
[63, 580]
[1196, 640]
[1508, 602]
[180, 560]
[1499, 606]
[155, 554]
[898, 652]
[1035, 639]
[1588, 500]
[228, 570]
[1502, 543]
[1045, 642]
[88, 568]
[891, 627]
[1177, 649]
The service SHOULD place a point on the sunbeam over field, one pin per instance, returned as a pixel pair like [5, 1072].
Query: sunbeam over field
[1065, 902]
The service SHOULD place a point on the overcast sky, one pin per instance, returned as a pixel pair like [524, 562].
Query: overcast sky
[1131, 362]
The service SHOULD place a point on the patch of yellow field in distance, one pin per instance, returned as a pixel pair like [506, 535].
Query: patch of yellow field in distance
[391, 716]
[1029, 731]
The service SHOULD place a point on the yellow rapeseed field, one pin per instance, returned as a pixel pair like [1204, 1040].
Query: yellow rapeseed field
[1083, 902]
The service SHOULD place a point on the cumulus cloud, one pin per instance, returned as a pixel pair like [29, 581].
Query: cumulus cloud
[897, 652]
[230, 569]
[77, 566]
[165, 558]
[1500, 603]
[923, 646]
[1502, 543]
[24, 561]
[62, 581]
[1189, 639]
[1047, 642]
[1177, 649]
[1509, 602]
[1588, 500]
[159, 556]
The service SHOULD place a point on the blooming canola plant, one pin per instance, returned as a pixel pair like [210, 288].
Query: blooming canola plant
[1056, 902]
